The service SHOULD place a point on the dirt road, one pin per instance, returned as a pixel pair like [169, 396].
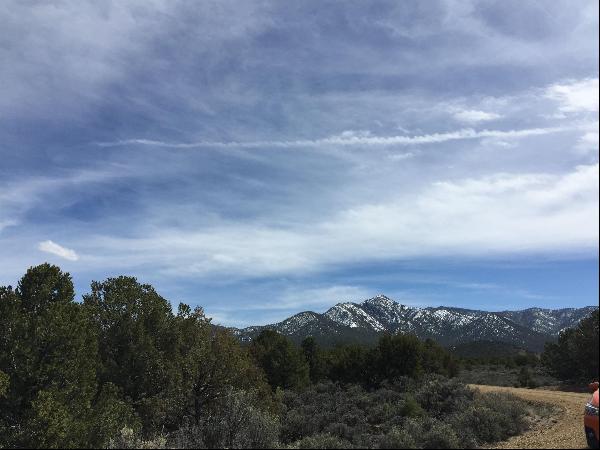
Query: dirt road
[564, 431]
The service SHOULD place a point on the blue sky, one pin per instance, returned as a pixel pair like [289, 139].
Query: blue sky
[264, 158]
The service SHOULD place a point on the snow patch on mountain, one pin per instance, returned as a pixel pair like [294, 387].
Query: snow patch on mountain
[529, 328]
[353, 316]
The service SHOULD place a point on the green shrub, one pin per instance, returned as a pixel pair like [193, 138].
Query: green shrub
[441, 397]
[128, 438]
[510, 411]
[398, 437]
[237, 423]
[4, 383]
[438, 413]
[492, 417]
[411, 408]
[323, 440]
[438, 434]
[188, 436]
[525, 379]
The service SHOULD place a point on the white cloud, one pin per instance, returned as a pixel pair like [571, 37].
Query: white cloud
[19, 196]
[321, 296]
[502, 214]
[56, 249]
[349, 139]
[588, 143]
[401, 156]
[349, 134]
[7, 223]
[64, 55]
[576, 96]
[474, 116]
[294, 298]
[498, 142]
[289, 302]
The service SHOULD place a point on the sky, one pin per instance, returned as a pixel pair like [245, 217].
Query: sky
[262, 158]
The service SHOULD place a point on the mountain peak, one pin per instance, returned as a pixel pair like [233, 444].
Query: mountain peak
[380, 300]
[353, 315]
[363, 322]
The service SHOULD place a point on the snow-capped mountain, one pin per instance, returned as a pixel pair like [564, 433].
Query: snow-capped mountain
[548, 321]
[364, 322]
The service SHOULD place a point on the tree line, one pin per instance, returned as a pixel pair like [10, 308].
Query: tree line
[82, 373]
[73, 374]
[394, 356]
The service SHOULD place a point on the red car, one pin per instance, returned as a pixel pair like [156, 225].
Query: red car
[590, 419]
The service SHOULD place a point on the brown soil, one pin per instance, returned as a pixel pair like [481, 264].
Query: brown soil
[564, 430]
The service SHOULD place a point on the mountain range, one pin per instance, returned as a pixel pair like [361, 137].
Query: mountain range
[364, 322]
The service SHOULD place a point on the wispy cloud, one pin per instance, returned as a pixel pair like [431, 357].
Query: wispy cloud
[503, 214]
[589, 142]
[7, 223]
[348, 139]
[290, 301]
[494, 158]
[21, 195]
[319, 297]
[58, 250]
[473, 116]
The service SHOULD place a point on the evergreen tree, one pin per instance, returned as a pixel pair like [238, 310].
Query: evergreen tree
[351, 363]
[137, 345]
[283, 363]
[48, 351]
[73, 375]
[215, 362]
[436, 359]
[315, 358]
[398, 355]
[170, 368]
[575, 356]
